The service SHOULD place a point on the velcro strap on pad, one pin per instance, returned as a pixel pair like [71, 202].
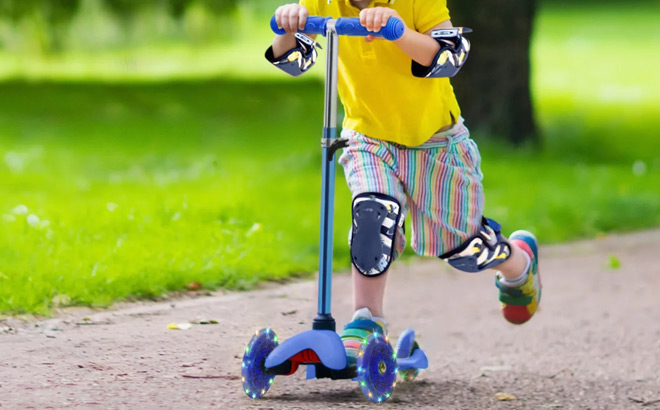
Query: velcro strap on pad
[454, 51]
[482, 251]
[297, 60]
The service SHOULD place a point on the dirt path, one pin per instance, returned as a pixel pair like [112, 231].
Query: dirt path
[594, 345]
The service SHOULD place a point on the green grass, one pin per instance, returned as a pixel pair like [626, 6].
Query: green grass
[118, 189]
[596, 83]
[146, 188]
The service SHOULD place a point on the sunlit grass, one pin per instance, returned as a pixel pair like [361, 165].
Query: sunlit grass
[132, 190]
[120, 191]
[596, 82]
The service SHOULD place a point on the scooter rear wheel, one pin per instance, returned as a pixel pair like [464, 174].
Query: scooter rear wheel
[405, 347]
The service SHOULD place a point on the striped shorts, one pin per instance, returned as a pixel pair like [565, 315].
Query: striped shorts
[438, 182]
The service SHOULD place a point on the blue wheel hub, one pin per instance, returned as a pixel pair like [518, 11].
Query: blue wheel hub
[256, 380]
[376, 368]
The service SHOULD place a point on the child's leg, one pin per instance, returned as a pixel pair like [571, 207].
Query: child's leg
[378, 211]
[446, 205]
[516, 265]
[369, 292]
[520, 295]
[377, 238]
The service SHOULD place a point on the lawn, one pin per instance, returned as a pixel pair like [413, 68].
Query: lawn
[115, 188]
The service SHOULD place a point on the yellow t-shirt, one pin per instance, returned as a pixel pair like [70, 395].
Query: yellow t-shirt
[381, 97]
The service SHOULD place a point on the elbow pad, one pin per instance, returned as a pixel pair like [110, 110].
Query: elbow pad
[297, 60]
[454, 50]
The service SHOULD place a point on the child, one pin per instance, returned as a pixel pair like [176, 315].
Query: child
[408, 151]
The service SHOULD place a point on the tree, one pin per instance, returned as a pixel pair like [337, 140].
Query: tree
[493, 86]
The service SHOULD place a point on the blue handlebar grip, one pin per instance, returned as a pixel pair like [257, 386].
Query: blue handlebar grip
[314, 25]
[393, 30]
[349, 26]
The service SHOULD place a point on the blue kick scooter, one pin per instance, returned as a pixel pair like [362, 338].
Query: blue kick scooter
[321, 349]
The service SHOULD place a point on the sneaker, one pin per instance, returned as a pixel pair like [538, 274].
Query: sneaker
[520, 303]
[357, 331]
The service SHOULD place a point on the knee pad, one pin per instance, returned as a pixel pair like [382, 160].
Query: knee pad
[482, 251]
[376, 218]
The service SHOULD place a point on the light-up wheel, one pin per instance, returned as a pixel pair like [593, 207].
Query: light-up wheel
[407, 375]
[405, 347]
[256, 381]
[376, 368]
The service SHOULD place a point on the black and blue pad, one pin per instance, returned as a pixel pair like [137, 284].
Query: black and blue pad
[454, 51]
[297, 60]
[376, 218]
[482, 251]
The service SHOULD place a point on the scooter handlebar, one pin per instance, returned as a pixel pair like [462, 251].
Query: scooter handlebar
[347, 26]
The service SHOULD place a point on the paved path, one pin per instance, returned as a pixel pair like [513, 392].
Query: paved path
[595, 344]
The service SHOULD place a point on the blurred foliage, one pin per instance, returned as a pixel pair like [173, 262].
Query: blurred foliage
[177, 8]
[126, 10]
[63, 10]
[47, 22]
[52, 15]
[129, 9]
[53, 12]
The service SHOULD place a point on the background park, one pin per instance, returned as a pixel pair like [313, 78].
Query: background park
[147, 146]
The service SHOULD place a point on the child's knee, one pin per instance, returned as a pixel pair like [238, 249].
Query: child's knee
[375, 234]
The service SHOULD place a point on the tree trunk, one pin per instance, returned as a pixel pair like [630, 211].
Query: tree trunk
[493, 86]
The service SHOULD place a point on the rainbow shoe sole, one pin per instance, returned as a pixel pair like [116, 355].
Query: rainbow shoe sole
[356, 333]
[520, 303]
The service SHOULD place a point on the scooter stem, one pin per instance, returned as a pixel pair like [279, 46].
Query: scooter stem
[324, 320]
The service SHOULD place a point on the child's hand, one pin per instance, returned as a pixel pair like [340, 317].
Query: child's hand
[373, 19]
[291, 17]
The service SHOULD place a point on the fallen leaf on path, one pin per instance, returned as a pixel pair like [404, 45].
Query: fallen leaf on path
[194, 286]
[292, 312]
[614, 263]
[179, 326]
[204, 322]
[504, 396]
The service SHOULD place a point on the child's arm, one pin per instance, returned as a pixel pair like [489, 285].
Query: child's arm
[291, 52]
[291, 18]
[422, 48]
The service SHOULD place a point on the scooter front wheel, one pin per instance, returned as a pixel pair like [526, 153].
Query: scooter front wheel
[376, 368]
[256, 380]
